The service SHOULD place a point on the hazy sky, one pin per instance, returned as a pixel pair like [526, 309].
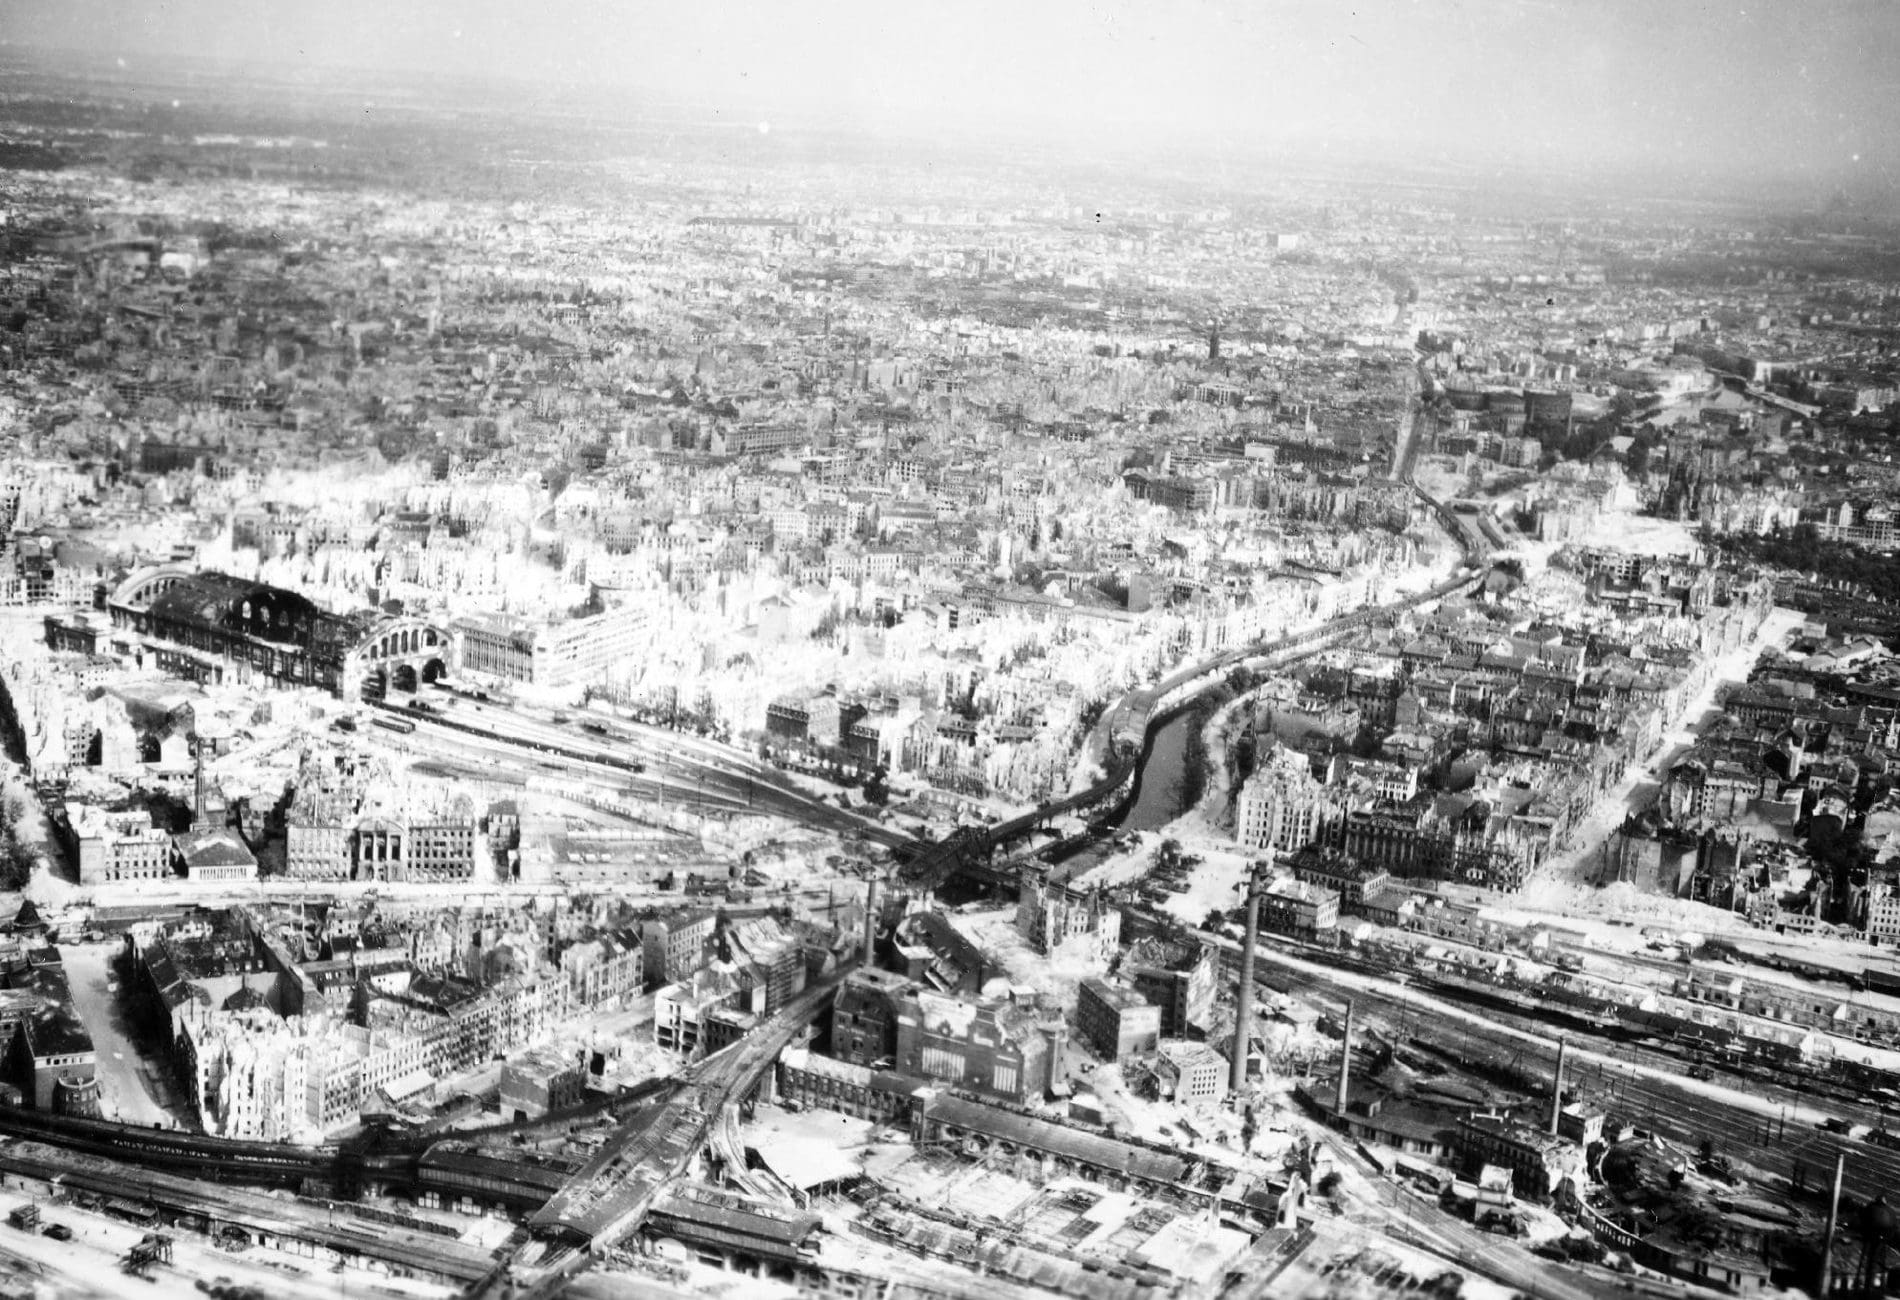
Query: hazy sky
[1778, 84]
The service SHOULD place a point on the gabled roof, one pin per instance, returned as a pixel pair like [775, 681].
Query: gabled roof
[213, 848]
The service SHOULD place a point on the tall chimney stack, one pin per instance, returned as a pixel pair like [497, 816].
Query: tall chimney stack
[198, 782]
[1345, 1065]
[1833, 1226]
[870, 924]
[1243, 995]
[1557, 1086]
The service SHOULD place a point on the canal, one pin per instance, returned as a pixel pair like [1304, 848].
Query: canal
[1160, 795]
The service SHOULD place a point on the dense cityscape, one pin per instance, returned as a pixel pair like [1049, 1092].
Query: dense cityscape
[680, 709]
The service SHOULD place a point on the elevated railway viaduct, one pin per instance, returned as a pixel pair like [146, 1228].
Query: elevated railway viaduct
[972, 852]
[422, 1163]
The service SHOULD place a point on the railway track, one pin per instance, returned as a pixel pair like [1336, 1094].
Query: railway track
[1782, 1139]
[932, 864]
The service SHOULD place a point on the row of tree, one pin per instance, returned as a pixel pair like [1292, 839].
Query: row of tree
[19, 854]
[1804, 550]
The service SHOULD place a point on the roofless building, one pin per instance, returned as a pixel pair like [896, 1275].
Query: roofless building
[216, 628]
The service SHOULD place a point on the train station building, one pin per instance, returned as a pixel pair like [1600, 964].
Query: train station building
[214, 628]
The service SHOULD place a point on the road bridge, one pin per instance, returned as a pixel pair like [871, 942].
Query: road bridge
[658, 1139]
[609, 1198]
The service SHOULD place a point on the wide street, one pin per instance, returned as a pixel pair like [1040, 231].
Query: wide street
[125, 1090]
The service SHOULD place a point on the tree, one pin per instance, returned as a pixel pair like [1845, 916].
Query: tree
[13, 809]
[18, 855]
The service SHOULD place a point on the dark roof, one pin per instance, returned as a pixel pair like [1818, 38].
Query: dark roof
[961, 961]
[695, 1230]
[198, 961]
[441, 992]
[55, 1029]
[164, 974]
[212, 600]
[705, 1207]
[246, 999]
[526, 1175]
[205, 598]
[1056, 1139]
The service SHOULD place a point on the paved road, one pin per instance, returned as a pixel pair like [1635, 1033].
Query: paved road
[610, 1201]
[1405, 443]
[123, 1089]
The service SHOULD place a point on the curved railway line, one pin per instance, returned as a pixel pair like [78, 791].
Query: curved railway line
[932, 863]
[1647, 1068]
[399, 1160]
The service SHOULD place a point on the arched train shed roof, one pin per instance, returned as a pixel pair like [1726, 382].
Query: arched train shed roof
[213, 600]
